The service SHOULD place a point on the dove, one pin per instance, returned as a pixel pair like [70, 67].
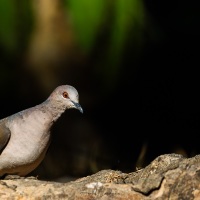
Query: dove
[26, 135]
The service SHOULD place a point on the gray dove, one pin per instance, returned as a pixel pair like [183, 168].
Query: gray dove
[25, 136]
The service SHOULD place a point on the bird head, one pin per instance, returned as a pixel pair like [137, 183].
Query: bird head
[66, 96]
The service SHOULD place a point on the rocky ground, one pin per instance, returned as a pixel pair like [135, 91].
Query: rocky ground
[169, 176]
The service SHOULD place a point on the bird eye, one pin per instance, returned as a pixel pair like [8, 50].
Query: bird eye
[65, 95]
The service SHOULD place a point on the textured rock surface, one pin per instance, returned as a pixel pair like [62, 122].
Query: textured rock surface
[169, 176]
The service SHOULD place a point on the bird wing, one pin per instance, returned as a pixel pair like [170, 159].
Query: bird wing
[4, 135]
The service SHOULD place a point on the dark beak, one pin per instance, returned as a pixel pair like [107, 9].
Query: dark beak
[77, 106]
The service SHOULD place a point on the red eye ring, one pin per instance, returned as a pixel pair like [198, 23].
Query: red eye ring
[65, 95]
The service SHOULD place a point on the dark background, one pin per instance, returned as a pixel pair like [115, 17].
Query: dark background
[140, 99]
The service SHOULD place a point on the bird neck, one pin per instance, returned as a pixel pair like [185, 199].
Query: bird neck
[54, 108]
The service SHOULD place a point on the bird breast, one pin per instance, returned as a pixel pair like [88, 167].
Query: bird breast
[30, 136]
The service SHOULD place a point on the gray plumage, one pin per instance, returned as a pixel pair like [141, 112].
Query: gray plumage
[25, 136]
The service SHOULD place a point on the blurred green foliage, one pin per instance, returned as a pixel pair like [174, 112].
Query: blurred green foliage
[89, 19]
[87, 16]
[8, 31]
[101, 26]
[129, 16]
[15, 24]
[127, 28]
[124, 22]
